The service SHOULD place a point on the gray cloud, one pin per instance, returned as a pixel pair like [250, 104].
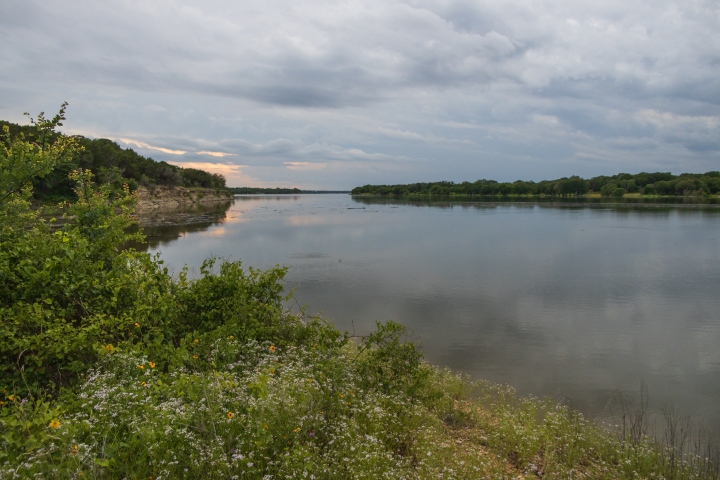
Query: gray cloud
[465, 89]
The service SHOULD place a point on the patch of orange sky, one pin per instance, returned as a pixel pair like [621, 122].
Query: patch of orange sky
[234, 175]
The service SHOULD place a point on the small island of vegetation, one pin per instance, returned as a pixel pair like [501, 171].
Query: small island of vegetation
[620, 185]
[111, 367]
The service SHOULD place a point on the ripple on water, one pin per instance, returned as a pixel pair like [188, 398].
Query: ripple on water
[308, 255]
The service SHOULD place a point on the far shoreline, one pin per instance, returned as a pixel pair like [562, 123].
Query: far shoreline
[593, 199]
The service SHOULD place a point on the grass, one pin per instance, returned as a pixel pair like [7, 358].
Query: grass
[233, 409]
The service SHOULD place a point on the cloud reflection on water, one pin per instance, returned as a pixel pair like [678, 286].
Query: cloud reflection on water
[568, 302]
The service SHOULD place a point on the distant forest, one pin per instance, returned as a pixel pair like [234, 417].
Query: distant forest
[277, 190]
[255, 190]
[660, 183]
[111, 164]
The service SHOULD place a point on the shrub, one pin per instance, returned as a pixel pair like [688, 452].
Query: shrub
[68, 293]
[389, 364]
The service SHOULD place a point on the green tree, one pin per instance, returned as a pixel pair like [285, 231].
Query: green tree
[608, 189]
[109, 162]
[55, 297]
[68, 294]
[665, 187]
[628, 185]
[24, 159]
[571, 186]
[649, 190]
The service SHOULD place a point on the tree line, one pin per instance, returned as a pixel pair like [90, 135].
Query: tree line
[659, 183]
[277, 191]
[111, 165]
[259, 190]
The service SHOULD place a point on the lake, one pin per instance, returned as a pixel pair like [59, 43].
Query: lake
[579, 302]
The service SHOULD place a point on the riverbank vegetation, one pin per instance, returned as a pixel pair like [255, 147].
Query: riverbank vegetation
[109, 163]
[622, 184]
[112, 367]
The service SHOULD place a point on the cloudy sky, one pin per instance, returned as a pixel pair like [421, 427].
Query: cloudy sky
[332, 94]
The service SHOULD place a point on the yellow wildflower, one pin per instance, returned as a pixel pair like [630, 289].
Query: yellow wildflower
[230, 415]
[152, 364]
[143, 384]
[296, 430]
[196, 340]
[272, 348]
[54, 424]
[137, 325]
[141, 367]
[232, 336]
[195, 357]
[108, 348]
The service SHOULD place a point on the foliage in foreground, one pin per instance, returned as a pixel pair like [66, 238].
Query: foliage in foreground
[111, 368]
[228, 408]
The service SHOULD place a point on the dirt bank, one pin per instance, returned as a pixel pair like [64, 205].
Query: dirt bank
[173, 197]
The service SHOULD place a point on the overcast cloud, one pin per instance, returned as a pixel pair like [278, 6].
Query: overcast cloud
[335, 94]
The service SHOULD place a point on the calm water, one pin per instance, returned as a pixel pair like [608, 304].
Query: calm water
[573, 302]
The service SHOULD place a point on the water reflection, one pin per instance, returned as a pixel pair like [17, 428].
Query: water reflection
[163, 226]
[576, 302]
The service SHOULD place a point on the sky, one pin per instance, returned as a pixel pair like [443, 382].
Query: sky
[333, 94]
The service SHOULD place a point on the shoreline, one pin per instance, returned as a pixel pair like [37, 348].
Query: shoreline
[160, 198]
[553, 201]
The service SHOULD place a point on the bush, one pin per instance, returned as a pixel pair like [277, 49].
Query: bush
[67, 294]
[389, 364]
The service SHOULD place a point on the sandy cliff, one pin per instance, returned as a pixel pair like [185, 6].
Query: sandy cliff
[168, 198]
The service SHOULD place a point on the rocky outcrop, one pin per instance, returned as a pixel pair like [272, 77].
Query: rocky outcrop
[173, 197]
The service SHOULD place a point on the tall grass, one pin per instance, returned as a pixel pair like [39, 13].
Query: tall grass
[228, 408]
[683, 448]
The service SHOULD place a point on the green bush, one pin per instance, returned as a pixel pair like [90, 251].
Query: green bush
[67, 292]
[389, 364]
